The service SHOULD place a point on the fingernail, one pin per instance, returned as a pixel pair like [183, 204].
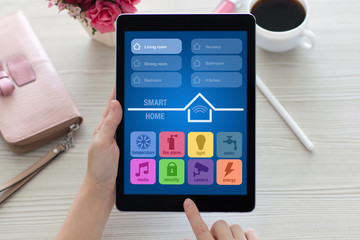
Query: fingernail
[189, 203]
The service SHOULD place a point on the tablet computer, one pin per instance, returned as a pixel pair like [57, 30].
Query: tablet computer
[187, 87]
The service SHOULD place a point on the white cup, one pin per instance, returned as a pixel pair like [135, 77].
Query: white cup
[285, 40]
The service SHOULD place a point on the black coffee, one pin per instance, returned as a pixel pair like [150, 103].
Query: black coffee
[278, 15]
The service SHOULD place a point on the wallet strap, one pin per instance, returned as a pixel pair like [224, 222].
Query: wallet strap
[15, 183]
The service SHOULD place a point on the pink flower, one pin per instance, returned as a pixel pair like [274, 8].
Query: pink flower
[103, 15]
[127, 6]
[84, 4]
[132, 2]
[74, 2]
[50, 3]
[74, 11]
[61, 6]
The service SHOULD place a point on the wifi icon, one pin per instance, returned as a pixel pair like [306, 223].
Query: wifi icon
[199, 109]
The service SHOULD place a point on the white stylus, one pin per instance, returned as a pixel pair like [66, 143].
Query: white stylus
[284, 114]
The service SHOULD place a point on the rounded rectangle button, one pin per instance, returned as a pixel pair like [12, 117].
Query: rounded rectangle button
[216, 79]
[216, 46]
[156, 46]
[156, 79]
[156, 63]
[216, 63]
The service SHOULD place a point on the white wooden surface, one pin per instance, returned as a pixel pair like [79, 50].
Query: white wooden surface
[300, 195]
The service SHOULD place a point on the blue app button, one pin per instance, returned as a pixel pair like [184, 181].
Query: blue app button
[156, 79]
[156, 63]
[156, 46]
[216, 46]
[143, 144]
[216, 79]
[216, 63]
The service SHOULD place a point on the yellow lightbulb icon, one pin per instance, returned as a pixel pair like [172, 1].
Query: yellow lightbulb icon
[200, 140]
[200, 144]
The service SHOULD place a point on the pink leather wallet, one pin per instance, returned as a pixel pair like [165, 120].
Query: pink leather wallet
[41, 110]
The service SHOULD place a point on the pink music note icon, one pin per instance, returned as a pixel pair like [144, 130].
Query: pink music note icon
[143, 165]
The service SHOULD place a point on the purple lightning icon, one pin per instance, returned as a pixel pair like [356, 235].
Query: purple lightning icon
[228, 169]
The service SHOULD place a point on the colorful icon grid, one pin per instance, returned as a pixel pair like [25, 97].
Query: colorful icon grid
[200, 149]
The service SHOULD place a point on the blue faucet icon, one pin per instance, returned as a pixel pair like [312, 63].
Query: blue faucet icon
[230, 141]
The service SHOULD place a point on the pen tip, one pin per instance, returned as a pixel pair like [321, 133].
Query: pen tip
[310, 147]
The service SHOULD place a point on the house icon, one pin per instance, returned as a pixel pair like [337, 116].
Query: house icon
[136, 80]
[136, 63]
[137, 47]
[196, 46]
[196, 63]
[196, 80]
[199, 109]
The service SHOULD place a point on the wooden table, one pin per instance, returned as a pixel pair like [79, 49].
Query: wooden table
[300, 195]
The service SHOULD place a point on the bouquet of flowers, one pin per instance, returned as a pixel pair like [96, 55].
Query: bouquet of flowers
[99, 14]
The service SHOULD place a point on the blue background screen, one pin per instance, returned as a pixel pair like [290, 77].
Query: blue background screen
[160, 84]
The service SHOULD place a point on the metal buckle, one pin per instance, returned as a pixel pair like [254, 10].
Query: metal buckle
[69, 142]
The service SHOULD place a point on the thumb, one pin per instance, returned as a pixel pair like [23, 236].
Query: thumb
[111, 122]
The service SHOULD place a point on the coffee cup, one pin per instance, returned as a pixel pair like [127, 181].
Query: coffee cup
[282, 26]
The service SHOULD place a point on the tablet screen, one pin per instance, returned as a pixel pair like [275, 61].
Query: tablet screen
[185, 108]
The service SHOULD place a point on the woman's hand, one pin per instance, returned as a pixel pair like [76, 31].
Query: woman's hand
[96, 197]
[103, 155]
[220, 230]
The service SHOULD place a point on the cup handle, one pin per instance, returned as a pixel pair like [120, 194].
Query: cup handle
[307, 39]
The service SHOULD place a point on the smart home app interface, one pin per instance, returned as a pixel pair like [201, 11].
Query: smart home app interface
[185, 111]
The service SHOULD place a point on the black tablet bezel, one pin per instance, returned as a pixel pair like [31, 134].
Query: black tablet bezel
[188, 22]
